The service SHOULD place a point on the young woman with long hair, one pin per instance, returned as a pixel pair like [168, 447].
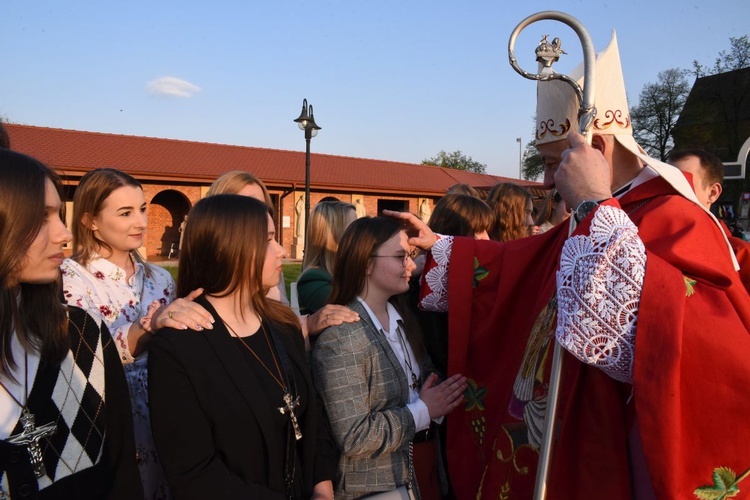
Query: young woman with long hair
[513, 207]
[328, 221]
[553, 212]
[108, 277]
[234, 410]
[65, 425]
[312, 322]
[374, 376]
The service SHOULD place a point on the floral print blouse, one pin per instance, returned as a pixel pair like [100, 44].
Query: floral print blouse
[102, 286]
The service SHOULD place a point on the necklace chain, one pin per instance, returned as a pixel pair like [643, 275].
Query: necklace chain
[280, 379]
[415, 384]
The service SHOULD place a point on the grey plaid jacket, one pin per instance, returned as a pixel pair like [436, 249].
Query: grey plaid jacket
[365, 392]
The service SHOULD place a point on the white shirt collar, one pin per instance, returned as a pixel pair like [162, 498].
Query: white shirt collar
[393, 317]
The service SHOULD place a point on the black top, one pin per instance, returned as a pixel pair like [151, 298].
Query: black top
[102, 428]
[274, 393]
[216, 432]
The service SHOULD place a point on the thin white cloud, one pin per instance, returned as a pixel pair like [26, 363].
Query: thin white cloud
[172, 86]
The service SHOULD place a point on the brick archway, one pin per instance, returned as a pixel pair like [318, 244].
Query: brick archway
[166, 212]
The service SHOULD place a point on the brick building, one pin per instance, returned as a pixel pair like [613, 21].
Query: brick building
[176, 174]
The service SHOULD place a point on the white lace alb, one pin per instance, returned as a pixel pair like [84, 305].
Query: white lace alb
[599, 287]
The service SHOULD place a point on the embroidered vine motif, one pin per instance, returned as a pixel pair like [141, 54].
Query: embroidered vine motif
[725, 485]
[612, 117]
[549, 126]
[474, 396]
[689, 286]
[599, 287]
[480, 273]
[475, 404]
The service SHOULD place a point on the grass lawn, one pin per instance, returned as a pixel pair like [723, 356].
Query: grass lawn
[292, 270]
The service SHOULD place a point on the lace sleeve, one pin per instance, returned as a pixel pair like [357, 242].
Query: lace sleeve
[435, 279]
[599, 287]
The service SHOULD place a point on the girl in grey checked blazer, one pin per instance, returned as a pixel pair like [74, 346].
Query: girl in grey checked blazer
[374, 376]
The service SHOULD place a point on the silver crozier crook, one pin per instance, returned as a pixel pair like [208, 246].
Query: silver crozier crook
[548, 53]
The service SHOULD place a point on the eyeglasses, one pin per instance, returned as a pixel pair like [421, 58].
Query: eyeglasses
[404, 256]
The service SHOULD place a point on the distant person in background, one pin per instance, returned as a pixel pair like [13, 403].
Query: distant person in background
[464, 189]
[707, 172]
[513, 207]
[246, 184]
[553, 212]
[328, 221]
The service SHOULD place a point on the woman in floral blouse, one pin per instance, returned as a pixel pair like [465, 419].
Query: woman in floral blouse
[109, 278]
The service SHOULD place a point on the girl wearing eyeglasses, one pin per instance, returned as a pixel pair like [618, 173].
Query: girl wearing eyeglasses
[374, 376]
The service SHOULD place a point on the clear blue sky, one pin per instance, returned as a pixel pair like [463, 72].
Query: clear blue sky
[393, 80]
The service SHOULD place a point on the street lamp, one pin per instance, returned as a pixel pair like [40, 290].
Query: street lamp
[520, 161]
[306, 122]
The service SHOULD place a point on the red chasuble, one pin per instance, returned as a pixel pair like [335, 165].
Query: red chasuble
[690, 399]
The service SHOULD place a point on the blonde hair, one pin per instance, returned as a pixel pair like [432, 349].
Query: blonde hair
[324, 231]
[233, 182]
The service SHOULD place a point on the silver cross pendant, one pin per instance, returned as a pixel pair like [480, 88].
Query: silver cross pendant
[30, 437]
[289, 406]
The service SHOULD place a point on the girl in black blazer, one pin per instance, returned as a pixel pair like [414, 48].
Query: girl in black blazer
[217, 396]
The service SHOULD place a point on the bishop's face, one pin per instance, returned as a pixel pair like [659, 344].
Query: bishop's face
[551, 153]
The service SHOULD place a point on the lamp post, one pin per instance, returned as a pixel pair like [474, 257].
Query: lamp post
[520, 160]
[306, 122]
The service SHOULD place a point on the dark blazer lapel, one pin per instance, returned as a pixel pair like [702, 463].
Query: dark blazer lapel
[385, 346]
[242, 376]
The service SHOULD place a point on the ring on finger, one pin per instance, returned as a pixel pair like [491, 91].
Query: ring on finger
[170, 314]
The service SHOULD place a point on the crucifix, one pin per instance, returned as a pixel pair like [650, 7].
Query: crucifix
[289, 406]
[30, 437]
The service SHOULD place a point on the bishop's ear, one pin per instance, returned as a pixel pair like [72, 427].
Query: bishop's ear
[599, 142]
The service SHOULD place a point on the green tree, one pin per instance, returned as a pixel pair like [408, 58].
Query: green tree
[533, 166]
[456, 160]
[659, 106]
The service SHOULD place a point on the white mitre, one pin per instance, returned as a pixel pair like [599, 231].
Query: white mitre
[557, 114]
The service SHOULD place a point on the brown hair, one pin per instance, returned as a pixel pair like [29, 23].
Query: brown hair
[548, 207]
[324, 231]
[463, 189]
[35, 311]
[713, 168]
[461, 215]
[232, 182]
[223, 252]
[509, 202]
[359, 243]
[91, 193]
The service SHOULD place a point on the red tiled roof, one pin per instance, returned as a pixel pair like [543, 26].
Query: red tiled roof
[75, 152]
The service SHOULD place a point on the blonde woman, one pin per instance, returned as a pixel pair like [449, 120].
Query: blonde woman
[328, 221]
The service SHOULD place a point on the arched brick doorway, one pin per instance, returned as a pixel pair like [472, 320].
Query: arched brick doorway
[166, 212]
